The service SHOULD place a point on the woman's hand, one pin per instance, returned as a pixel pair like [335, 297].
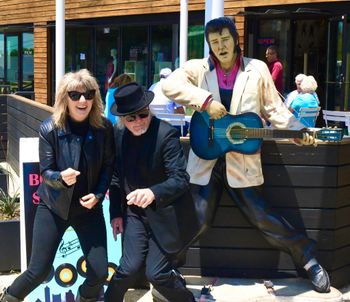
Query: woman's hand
[89, 201]
[140, 197]
[69, 176]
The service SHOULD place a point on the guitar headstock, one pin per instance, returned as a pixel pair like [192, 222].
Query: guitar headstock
[330, 134]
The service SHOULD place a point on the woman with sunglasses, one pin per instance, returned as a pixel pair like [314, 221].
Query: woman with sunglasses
[150, 202]
[76, 151]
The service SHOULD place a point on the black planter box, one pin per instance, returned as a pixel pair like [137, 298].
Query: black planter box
[10, 255]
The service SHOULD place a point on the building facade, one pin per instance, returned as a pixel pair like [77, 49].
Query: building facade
[141, 37]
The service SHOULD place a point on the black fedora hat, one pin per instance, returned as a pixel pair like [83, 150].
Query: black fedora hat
[130, 98]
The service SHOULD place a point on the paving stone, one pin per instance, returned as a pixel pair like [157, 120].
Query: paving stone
[239, 290]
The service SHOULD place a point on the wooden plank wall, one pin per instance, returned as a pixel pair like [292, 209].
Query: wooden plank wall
[24, 117]
[311, 189]
[41, 73]
[3, 127]
[36, 11]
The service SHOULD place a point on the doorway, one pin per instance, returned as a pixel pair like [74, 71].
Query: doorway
[338, 65]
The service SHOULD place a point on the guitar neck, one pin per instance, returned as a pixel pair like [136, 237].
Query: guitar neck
[270, 133]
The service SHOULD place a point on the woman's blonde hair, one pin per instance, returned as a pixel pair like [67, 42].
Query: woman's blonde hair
[83, 80]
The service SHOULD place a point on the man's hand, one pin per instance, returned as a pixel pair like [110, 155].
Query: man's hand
[307, 140]
[140, 197]
[89, 201]
[117, 226]
[69, 176]
[216, 110]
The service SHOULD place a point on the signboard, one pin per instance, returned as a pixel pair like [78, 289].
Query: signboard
[69, 268]
[265, 41]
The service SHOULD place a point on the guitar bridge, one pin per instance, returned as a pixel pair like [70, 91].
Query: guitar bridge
[211, 132]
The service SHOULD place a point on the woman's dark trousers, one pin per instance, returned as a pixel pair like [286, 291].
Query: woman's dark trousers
[47, 234]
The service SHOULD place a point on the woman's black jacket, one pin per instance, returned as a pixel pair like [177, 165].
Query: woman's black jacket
[60, 149]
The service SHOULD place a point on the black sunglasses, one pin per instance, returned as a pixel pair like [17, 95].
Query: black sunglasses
[76, 95]
[132, 117]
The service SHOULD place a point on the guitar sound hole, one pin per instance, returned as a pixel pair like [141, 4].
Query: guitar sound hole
[235, 134]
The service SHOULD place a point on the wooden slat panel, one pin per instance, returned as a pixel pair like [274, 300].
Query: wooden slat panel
[25, 11]
[299, 218]
[273, 153]
[340, 277]
[242, 238]
[239, 273]
[19, 130]
[3, 127]
[13, 152]
[38, 11]
[307, 197]
[30, 107]
[251, 259]
[41, 62]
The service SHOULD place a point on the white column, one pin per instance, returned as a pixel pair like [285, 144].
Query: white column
[213, 9]
[183, 31]
[60, 40]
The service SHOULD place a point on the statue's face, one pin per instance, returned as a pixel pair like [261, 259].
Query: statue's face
[223, 46]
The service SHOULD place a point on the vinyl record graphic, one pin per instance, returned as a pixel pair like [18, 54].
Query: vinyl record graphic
[81, 266]
[112, 269]
[49, 276]
[66, 275]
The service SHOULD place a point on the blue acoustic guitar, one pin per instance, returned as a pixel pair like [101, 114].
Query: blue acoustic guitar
[241, 133]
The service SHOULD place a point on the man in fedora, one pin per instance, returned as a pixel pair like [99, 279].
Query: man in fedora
[150, 202]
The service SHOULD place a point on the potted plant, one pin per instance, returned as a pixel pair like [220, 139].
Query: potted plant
[9, 230]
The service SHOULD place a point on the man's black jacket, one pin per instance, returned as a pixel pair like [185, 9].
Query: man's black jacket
[172, 215]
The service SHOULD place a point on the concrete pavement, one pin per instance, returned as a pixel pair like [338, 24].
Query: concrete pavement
[240, 290]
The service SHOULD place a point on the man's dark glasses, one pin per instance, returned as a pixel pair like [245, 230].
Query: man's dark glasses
[76, 95]
[132, 117]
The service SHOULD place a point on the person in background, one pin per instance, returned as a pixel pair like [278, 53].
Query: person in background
[76, 152]
[307, 98]
[228, 82]
[294, 93]
[298, 79]
[275, 67]
[117, 82]
[159, 97]
[150, 201]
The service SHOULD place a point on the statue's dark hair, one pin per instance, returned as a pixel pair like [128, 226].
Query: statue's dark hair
[217, 25]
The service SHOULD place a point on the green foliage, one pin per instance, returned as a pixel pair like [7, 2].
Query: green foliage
[9, 205]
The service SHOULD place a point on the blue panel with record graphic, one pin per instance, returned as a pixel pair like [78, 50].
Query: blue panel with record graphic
[69, 267]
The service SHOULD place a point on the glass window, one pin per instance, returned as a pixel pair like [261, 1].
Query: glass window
[135, 53]
[162, 55]
[107, 61]
[28, 61]
[78, 49]
[12, 61]
[275, 32]
[2, 58]
[195, 41]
